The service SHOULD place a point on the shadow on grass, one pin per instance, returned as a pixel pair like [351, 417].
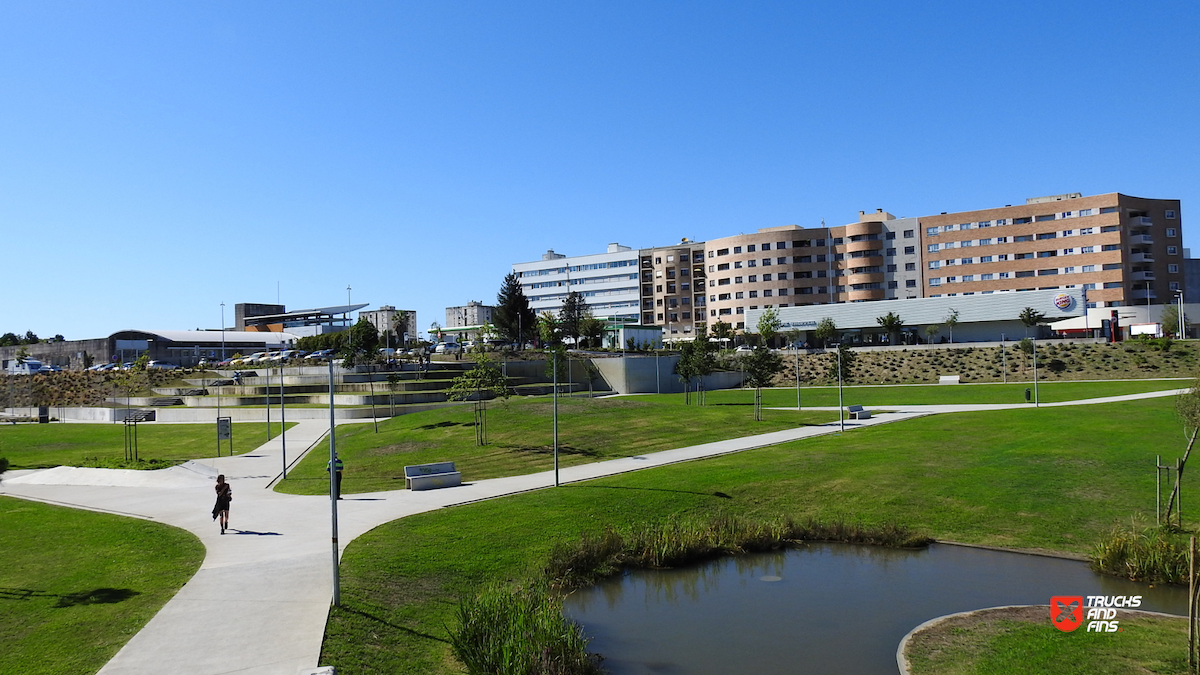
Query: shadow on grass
[562, 450]
[96, 596]
[442, 425]
[720, 495]
[402, 629]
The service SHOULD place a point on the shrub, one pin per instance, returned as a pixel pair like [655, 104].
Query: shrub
[1154, 555]
[3, 464]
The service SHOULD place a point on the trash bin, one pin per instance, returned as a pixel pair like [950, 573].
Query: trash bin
[1027, 393]
[43, 414]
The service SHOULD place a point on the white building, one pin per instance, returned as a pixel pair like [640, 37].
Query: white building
[607, 281]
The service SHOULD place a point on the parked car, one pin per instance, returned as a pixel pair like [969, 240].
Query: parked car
[744, 349]
[447, 348]
[161, 365]
[320, 354]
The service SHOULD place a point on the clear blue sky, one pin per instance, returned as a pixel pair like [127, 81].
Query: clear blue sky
[159, 158]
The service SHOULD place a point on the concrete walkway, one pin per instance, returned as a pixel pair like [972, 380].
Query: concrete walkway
[259, 602]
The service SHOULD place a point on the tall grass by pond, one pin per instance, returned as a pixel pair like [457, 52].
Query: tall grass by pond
[520, 631]
[1154, 555]
[678, 542]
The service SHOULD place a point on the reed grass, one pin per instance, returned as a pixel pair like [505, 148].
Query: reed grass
[520, 630]
[678, 541]
[1153, 554]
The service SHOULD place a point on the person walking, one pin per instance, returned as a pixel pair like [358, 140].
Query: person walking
[336, 465]
[224, 496]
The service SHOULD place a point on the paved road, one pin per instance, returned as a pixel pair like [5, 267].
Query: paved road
[259, 602]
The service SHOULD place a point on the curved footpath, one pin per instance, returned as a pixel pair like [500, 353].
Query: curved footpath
[259, 602]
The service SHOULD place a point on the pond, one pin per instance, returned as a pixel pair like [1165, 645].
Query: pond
[822, 608]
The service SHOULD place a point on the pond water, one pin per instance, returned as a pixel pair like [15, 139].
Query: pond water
[823, 608]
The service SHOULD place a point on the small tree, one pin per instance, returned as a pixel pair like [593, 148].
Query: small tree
[826, 331]
[571, 316]
[515, 321]
[931, 331]
[768, 326]
[1030, 318]
[892, 323]
[761, 367]
[484, 379]
[1187, 406]
[549, 329]
[723, 331]
[1170, 321]
[696, 360]
[951, 321]
[845, 360]
[592, 329]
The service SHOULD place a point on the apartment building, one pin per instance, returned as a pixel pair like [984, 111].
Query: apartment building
[384, 319]
[609, 282]
[1120, 250]
[877, 258]
[474, 313]
[673, 288]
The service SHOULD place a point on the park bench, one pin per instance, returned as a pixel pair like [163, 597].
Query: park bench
[948, 379]
[431, 476]
[857, 412]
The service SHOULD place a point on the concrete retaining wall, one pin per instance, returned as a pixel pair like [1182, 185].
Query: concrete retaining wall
[651, 374]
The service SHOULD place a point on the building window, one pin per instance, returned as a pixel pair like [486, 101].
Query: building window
[722, 251]
[931, 231]
[737, 280]
[767, 293]
[752, 278]
[1170, 214]
[765, 261]
[1173, 269]
[723, 296]
[890, 252]
[740, 296]
[910, 267]
[737, 249]
[1111, 247]
[1171, 232]
[1171, 250]
[933, 248]
[1112, 284]
[782, 276]
[1005, 275]
[722, 282]
[936, 281]
[765, 247]
[750, 248]
[766, 277]
[889, 236]
[1089, 268]
[910, 283]
[968, 261]
[1174, 285]
[985, 259]
[781, 260]
[986, 277]
[741, 310]
[934, 264]
[783, 291]
[1087, 249]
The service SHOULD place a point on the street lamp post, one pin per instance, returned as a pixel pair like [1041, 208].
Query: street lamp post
[1033, 342]
[554, 367]
[1181, 327]
[841, 409]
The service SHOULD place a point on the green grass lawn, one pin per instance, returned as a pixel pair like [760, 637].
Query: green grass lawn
[1052, 478]
[38, 446]
[520, 438]
[1016, 641]
[76, 585]
[869, 395]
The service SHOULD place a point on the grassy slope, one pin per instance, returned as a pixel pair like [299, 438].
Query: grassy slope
[520, 438]
[35, 446]
[70, 610]
[1047, 479]
[996, 645]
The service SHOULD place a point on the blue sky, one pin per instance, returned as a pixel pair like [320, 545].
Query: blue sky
[157, 159]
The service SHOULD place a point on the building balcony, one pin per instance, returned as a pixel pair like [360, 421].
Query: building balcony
[1142, 258]
[1142, 294]
[1141, 220]
[1141, 239]
[864, 245]
[1142, 276]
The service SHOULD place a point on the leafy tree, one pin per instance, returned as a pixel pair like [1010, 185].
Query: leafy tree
[1170, 321]
[22, 355]
[951, 321]
[845, 360]
[723, 332]
[514, 318]
[592, 329]
[1187, 406]
[768, 326]
[892, 323]
[761, 366]
[571, 316]
[549, 329]
[30, 338]
[9, 340]
[931, 331]
[826, 331]
[1030, 318]
[59, 338]
[361, 343]
[696, 359]
[485, 378]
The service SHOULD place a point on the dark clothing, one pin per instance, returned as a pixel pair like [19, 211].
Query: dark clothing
[224, 496]
[337, 477]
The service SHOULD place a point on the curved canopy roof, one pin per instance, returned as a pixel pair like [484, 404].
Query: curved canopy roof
[206, 336]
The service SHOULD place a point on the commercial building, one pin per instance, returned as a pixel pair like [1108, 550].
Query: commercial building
[1122, 250]
[275, 318]
[179, 347]
[975, 318]
[1119, 250]
[608, 281]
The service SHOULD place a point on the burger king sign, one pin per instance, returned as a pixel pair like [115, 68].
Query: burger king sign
[1063, 301]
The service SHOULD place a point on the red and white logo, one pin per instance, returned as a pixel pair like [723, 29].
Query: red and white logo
[1066, 612]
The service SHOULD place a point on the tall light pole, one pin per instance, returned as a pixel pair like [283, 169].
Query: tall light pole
[1181, 333]
[333, 495]
[1035, 378]
[219, 386]
[554, 367]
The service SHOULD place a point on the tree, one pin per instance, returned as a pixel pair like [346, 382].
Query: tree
[826, 331]
[9, 340]
[844, 361]
[761, 366]
[1187, 406]
[549, 329]
[30, 338]
[768, 326]
[1170, 321]
[1030, 318]
[931, 331]
[951, 321]
[723, 332]
[514, 319]
[696, 360]
[892, 323]
[571, 316]
[485, 378]
[592, 329]
[361, 343]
